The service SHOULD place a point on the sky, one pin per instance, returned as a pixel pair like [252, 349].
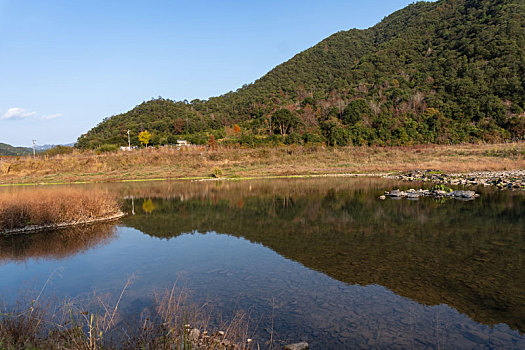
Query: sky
[67, 64]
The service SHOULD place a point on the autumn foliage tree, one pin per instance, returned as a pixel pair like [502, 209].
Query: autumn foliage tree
[179, 125]
[212, 142]
[144, 138]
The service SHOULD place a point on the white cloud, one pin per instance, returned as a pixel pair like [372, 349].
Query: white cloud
[50, 116]
[17, 113]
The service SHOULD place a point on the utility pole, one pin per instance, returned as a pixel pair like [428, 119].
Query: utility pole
[34, 152]
[129, 141]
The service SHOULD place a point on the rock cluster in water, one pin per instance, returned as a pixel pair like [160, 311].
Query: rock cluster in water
[435, 193]
[501, 179]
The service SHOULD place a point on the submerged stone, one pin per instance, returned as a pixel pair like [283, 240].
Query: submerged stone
[297, 346]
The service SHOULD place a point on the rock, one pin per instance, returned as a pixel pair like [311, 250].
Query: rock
[513, 180]
[413, 195]
[194, 334]
[297, 346]
[396, 193]
[463, 194]
[416, 194]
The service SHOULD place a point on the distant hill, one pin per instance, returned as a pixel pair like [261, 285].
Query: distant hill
[434, 72]
[8, 150]
[46, 147]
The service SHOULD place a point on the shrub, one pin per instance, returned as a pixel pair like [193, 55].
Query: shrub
[197, 139]
[57, 150]
[313, 138]
[217, 172]
[106, 148]
[293, 138]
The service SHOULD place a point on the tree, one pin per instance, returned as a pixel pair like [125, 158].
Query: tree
[335, 133]
[144, 138]
[284, 121]
[179, 125]
[356, 111]
[212, 142]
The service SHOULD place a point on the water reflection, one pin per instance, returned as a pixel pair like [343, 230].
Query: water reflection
[57, 244]
[378, 273]
[469, 255]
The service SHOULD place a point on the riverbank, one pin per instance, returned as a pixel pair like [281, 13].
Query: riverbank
[61, 225]
[53, 208]
[96, 322]
[200, 162]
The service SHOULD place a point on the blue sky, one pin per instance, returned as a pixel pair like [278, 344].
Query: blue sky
[67, 64]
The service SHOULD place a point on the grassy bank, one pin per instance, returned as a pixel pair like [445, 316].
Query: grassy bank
[200, 161]
[97, 322]
[54, 206]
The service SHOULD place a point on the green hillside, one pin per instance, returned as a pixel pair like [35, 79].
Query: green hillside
[434, 72]
[8, 150]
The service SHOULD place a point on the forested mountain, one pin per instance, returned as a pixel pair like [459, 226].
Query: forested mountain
[434, 72]
[8, 150]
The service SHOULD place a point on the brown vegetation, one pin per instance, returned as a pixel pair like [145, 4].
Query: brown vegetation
[96, 322]
[200, 161]
[51, 206]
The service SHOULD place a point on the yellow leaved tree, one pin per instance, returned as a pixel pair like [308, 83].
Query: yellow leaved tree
[144, 138]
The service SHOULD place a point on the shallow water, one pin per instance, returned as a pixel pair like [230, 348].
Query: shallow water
[321, 260]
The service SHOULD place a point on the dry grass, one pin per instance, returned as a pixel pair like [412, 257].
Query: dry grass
[49, 206]
[199, 161]
[96, 322]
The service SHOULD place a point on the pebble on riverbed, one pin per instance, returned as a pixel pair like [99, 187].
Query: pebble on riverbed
[416, 194]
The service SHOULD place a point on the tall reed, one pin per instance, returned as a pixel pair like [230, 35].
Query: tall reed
[54, 205]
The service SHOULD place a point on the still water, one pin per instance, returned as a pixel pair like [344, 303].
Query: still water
[320, 260]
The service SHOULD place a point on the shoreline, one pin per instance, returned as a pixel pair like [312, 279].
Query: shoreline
[505, 179]
[36, 228]
[202, 179]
